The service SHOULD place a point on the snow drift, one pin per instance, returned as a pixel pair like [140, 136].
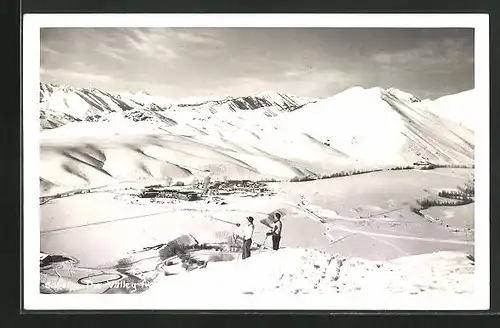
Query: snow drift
[308, 271]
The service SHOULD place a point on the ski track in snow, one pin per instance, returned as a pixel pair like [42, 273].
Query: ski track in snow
[376, 234]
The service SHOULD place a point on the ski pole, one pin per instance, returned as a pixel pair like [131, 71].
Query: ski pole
[263, 243]
[236, 224]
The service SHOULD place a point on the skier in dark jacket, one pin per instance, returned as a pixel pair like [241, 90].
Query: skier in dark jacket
[276, 231]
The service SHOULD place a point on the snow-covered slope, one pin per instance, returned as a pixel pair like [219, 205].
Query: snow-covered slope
[460, 108]
[264, 135]
[143, 98]
[431, 137]
[299, 271]
[60, 105]
[384, 126]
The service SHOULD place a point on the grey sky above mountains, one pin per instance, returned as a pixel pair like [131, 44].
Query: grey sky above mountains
[219, 62]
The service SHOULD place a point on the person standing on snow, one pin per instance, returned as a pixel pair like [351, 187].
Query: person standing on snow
[247, 238]
[276, 232]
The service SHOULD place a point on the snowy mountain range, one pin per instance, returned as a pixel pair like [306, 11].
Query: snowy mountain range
[60, 105]
[262, 135]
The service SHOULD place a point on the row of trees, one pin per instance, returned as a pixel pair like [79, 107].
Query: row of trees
[462, 196]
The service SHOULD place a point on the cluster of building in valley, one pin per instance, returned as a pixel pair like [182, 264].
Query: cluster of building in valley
[244, 188]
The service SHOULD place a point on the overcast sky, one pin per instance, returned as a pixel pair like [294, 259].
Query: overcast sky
[313, 62]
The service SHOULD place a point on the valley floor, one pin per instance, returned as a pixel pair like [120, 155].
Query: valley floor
[365, 219]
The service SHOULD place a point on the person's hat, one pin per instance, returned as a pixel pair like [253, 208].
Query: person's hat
[249, 218]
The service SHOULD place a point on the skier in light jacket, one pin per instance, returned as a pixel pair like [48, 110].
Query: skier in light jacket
[247, 238]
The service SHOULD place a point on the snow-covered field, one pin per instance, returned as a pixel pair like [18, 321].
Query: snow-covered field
[354, 234]
[108, 225]
[143, 223]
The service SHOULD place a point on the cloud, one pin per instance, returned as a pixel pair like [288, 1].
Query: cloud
[109, 48]
[446, 51]
[302, 82]
[291, 73]
[47, 50]
[199, 38]
[151, 44]
[63, 74]
[383, 57]
[403, 57]
[304, 71]
[166, 44]
[318, 75]
[113, 53]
